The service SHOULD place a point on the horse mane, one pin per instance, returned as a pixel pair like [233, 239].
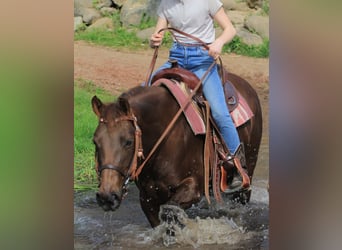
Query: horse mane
[114, 109]
[133, 92]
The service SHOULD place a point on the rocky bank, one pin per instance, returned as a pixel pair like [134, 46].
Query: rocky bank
[248, 16]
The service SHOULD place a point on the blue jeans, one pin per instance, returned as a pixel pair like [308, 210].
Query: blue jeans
[197, 60]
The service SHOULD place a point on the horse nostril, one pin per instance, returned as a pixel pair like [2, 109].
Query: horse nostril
[99, 199]
[108, 201]
[114, 197]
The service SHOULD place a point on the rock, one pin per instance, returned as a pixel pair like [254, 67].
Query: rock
[259, 24]
[77, 22]
[105, 23]
[80, 5]
[105, 11]
[229, 4]
[249, 38]
[133, 11]
[242, 6]
[90, 15]
[119, 2]
[253, 4]
[237, 17]
[104, 3]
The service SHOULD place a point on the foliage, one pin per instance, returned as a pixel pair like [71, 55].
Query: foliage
[146, 22]
[117, 38]
[266, 6]
[85, 123]
[238, 47]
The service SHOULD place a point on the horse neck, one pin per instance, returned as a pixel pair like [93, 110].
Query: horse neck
[154, 109]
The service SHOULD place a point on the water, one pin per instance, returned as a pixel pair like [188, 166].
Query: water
[218, 226]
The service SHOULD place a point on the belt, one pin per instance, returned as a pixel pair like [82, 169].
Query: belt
[191, 44]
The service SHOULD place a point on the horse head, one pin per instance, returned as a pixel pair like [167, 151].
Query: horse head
[114, 140]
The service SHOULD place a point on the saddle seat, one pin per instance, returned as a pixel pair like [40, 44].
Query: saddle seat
[191, 81]
[178, 74]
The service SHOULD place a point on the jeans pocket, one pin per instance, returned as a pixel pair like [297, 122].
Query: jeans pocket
[202, 51]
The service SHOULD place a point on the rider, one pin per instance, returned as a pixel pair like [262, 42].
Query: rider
[197, 19]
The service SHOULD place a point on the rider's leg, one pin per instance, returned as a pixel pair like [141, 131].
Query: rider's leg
[214, 93]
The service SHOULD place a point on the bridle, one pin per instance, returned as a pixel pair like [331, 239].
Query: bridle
[138, 151]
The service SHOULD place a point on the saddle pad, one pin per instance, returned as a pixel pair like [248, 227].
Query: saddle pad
[242, 113]
[191, 113]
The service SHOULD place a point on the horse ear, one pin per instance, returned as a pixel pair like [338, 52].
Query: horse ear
[96, 104]
[124, 104]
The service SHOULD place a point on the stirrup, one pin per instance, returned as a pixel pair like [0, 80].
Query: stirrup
[240, 182]
[228, 162]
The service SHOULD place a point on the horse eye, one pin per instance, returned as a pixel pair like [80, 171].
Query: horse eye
[128, 143]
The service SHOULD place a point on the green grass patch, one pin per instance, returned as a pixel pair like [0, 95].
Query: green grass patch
[120, 38]
[240, 48]
[266, 7]
[85, 122]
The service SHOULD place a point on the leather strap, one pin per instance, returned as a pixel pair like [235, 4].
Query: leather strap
[111, 167]
[173, 121]
[152, 64]
[207, 153]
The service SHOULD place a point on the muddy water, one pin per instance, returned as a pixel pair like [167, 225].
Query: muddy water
[219, 226]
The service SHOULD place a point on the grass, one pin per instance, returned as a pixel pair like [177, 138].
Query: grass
[240, 48]
[85, 123]
[266, 7]
[121, 38]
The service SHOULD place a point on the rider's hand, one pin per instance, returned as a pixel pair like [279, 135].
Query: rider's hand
[215, 49]
[156, 40]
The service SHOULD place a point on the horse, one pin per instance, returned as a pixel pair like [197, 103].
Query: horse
[173, 172]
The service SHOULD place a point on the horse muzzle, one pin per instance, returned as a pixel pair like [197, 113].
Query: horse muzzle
[109, 201]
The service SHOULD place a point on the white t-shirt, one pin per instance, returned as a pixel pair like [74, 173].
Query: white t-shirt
[194, 17]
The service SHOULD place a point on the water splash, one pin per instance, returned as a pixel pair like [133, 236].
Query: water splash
[218, 226]
[178, 228]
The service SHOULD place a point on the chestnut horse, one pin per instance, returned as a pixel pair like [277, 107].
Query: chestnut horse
[174, 174]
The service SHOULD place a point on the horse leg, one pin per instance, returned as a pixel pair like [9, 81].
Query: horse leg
[186, 193]
[151, 209]
[183, 196]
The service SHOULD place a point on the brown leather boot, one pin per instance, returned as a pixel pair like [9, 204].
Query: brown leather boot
[236, 168]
